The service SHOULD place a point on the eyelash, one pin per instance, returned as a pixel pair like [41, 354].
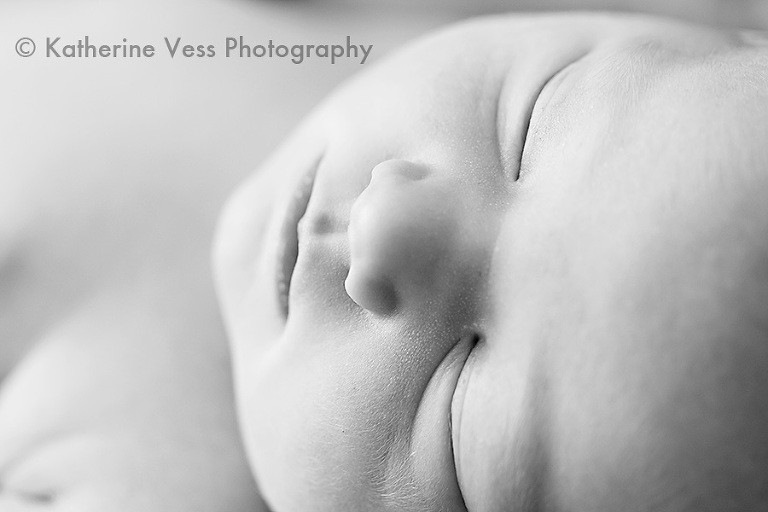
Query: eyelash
[530, 117]
[552, 81]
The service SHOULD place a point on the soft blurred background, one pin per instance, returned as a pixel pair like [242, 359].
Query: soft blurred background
[114, 378]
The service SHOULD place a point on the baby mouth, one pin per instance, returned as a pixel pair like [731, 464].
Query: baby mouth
[288, 251]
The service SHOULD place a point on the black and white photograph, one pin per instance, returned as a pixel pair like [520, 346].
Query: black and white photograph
[383, 256]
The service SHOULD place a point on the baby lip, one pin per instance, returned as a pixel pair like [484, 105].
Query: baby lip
[288, 251]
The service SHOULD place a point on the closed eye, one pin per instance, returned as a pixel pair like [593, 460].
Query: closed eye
[528, 118]
[543, 97]
[516, 103]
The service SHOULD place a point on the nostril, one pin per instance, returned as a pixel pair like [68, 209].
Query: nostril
[400, 169]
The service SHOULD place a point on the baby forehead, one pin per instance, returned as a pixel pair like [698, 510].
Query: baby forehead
[491, 48]
[461, 84]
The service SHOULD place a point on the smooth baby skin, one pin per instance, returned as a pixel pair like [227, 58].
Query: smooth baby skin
[532, 274]
[115, 382]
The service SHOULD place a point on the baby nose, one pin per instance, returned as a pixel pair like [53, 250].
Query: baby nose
[401, 231]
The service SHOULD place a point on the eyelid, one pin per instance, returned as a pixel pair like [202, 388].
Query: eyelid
[519, 98]
[543, 98]
[528, 118]
[513, 105]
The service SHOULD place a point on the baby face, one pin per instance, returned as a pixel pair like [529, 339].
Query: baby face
[519, 266]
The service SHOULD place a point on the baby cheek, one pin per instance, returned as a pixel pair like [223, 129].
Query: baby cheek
[403, 232]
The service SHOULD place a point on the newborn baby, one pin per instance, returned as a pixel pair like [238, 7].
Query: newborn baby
[522, 265]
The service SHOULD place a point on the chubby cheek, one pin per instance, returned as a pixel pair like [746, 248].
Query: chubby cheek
[332, 427]
[308, 444]
[674, 418]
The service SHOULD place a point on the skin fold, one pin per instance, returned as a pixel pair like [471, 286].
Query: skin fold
[531, 275]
